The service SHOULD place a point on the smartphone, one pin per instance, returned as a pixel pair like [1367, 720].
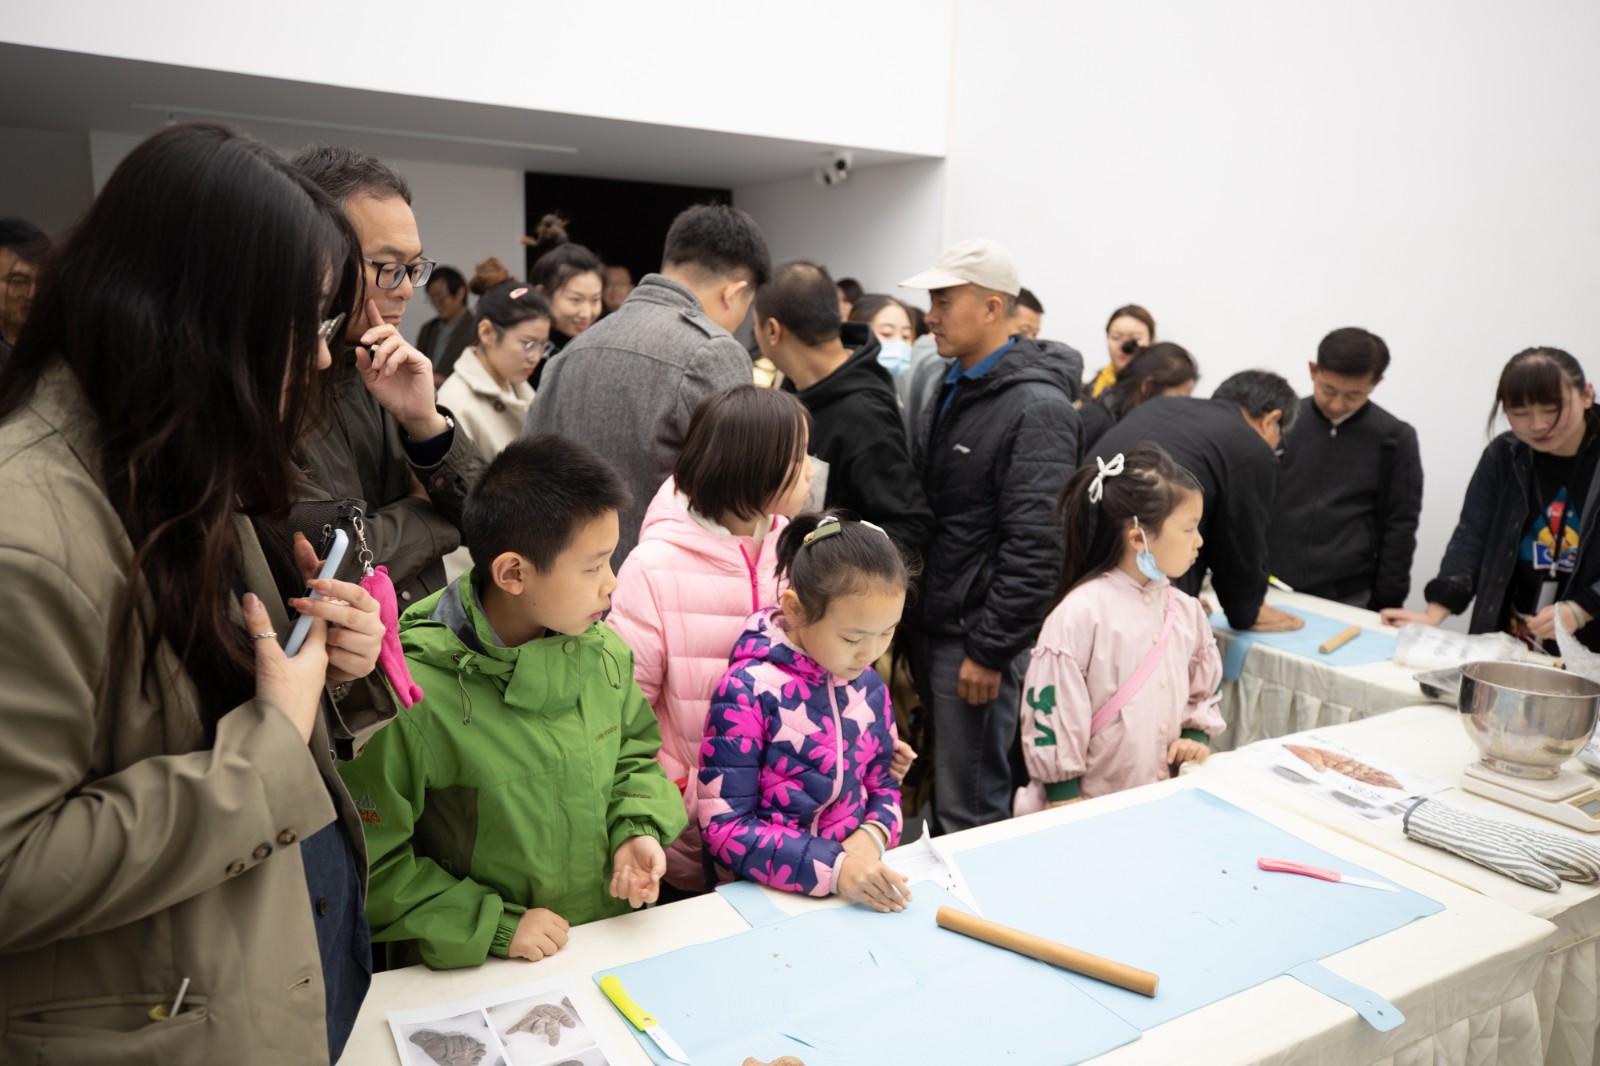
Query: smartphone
[330, 566]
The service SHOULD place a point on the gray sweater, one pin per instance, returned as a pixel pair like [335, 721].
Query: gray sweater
[626, 387]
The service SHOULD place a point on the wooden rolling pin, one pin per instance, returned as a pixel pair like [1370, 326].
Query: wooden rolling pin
[1333, 644]
[1037, 947]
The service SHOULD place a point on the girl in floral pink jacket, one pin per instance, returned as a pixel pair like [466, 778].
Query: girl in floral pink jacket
[795, 788]
[705, 561]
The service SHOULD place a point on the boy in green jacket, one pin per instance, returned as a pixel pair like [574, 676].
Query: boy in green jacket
[522, 793]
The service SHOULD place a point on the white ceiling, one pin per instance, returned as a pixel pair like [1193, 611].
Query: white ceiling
[51, 89]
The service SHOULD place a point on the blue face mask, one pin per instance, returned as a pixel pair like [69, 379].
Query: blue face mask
[1145, 561]
[894, 356]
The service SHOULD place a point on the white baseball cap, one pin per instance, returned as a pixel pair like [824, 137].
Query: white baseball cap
[978, 262]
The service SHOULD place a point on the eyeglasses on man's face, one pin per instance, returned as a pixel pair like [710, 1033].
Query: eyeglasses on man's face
[390, 273]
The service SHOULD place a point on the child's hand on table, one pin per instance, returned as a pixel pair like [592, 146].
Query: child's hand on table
[540, 932]
[873, 882]
[900, 762]
[638, 867]
[1181, 751]
[1272, 620]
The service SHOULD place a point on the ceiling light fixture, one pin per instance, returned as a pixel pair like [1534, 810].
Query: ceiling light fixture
[170, 111]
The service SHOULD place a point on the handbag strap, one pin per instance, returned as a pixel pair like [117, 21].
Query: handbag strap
[1130, 688]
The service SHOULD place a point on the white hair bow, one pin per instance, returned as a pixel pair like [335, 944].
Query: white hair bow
[1111, 469]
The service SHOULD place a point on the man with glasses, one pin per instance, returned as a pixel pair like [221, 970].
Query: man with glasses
[389, 444]
[22, 250]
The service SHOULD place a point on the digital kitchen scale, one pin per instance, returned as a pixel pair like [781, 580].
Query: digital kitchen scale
[1571, 798]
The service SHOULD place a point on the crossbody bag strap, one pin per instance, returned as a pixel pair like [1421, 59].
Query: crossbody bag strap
[1130, 688]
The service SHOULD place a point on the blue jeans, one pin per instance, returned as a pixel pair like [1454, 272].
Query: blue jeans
[971, 744]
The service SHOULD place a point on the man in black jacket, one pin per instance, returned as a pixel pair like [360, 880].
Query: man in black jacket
[855, 416]
[995, 448]
[1228, 443]
[1349, 485]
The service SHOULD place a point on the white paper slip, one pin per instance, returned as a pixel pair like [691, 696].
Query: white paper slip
[925, 859]
[529, 1025]
[1373, 789]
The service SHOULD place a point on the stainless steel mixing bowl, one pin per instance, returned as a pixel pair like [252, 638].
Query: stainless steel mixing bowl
[1527, 720]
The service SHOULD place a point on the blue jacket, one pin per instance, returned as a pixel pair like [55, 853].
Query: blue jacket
[793, 762]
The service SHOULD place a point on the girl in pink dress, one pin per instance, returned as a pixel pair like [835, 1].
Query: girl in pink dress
[1122, 688]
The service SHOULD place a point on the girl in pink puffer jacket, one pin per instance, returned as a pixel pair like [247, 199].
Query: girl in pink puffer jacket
[706, 561]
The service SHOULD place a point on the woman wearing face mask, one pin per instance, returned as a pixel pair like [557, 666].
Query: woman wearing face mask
[1127, 330]
[183, 865]
[489, 392]
[1163, 369]
[890, 321]
[1521, 552]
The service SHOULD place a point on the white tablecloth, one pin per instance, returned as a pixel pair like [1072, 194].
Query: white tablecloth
[1278, 692]
[1429, 739]
[1465, 977]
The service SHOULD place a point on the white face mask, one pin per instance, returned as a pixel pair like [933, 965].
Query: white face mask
[894, 355]
[1145, 560]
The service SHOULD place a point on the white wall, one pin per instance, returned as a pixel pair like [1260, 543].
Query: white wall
[794, 71]
[464, 213]
[46, 177]
[1258, 173]
[880, 226]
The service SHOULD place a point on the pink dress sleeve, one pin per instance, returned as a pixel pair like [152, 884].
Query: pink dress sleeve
[1055, 698]
[1205, 676]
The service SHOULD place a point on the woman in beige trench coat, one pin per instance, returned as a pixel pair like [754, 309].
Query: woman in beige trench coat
[170, 816]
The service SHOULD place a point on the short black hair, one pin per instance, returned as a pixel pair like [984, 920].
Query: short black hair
[534, 497]
[719, 240]
[802, 297]
[741, 450]
[1026, 298]
[453, 281]
[1353, 353]
[343, 172]
[22, 238]
[850, 289]
[857, 558]
[1260, 392]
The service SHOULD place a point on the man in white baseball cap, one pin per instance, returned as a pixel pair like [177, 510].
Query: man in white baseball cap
[994, 450]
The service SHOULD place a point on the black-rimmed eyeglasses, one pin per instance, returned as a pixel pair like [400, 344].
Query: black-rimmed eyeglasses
[389, 274]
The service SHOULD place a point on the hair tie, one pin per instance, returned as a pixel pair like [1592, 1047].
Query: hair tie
[1111, 469]
[829, 525]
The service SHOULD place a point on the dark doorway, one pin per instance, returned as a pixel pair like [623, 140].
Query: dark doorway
[625, 223]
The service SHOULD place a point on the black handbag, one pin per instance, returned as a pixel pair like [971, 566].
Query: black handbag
[317, 520]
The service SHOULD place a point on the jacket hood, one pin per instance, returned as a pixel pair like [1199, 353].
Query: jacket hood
[861, 367]
[669, 519]
[764, 641]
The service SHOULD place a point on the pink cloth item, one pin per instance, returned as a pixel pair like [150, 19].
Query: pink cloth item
[390, 658]
[681, 602]
[1090, 645]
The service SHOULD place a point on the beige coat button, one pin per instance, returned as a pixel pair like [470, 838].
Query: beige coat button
[287, 837]
[262, 852]
[1147, 599]
[235, 868]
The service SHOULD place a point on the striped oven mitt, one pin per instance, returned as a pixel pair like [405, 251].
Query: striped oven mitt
[1532, 856]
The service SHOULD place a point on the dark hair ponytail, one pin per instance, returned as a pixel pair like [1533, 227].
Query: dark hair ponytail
[1149, 488]
[833, 565]
[1152, 371]
[511, 303]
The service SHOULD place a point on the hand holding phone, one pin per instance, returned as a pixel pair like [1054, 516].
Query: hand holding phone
[330, 567]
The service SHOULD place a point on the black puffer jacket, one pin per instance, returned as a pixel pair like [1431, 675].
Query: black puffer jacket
[994, 467]
[1480, 561]
[856, 429]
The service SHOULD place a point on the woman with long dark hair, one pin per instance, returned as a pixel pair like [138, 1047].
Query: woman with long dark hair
[170, 796]
[1162, 369]
[1521, 552]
